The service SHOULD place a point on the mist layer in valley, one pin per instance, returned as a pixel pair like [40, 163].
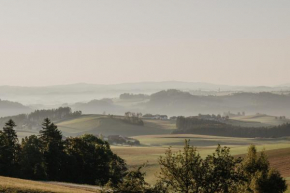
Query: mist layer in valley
[169, 98]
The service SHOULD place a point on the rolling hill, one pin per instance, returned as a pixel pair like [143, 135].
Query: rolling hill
[100, 124]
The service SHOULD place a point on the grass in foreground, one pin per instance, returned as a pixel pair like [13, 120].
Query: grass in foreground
[14, 185]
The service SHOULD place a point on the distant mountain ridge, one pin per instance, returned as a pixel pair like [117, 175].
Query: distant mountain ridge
[54, 96]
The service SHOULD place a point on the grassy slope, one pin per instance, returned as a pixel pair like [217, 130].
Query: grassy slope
[96, 124]
[19, 185]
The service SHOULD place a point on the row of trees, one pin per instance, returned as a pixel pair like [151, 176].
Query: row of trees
[186, 172]
[133, 118]
[86, 159]
[194, 125]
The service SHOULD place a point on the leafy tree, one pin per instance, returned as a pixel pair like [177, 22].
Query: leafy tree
[32, 162]
[52, 144]
[118, 169]
[261, 178]
[133, 182]
[182, 171]
[9, 149]
[185, 172]
[222, 172]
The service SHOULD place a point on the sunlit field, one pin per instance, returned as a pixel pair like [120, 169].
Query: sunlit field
[26, 186]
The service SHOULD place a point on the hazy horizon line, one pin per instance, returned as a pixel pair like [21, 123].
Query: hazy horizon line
[142, 82]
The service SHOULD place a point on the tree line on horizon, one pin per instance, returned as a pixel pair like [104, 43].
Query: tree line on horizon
[195, 125]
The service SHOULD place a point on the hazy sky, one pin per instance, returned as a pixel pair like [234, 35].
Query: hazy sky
[53, 42]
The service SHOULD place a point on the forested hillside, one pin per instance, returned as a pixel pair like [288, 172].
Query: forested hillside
[8, 108]
[195, 125]
[34, 119]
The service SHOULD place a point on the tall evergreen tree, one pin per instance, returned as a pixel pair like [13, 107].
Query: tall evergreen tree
[52, 144]
[50, 133]
[9, 149]
[10, 133]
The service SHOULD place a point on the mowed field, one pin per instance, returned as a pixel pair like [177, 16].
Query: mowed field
[28, 186]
